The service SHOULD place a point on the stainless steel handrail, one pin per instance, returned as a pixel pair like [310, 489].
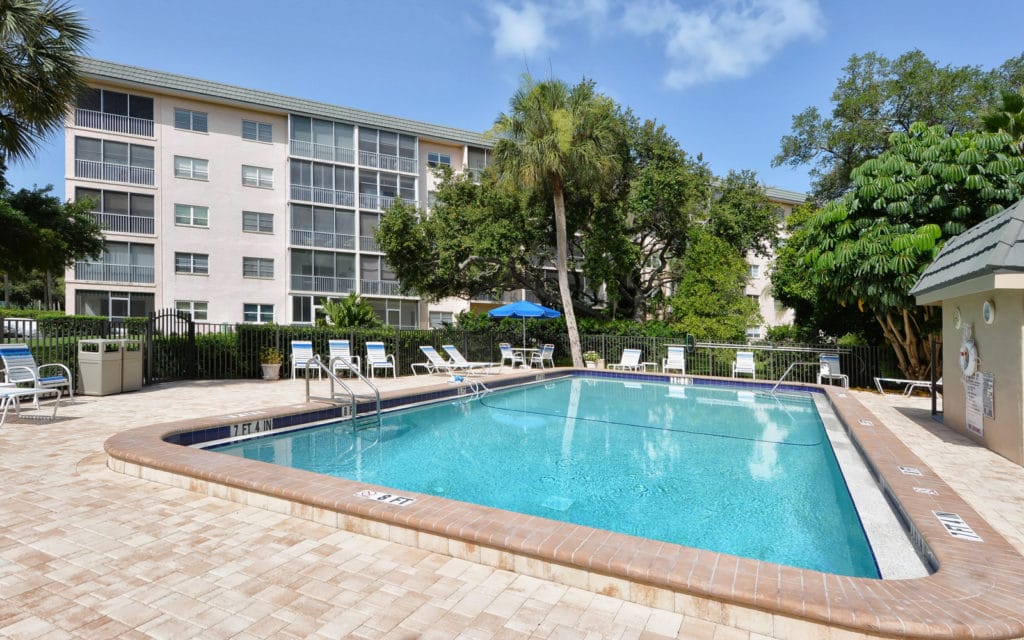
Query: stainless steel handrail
[328, 368]
[790, 368]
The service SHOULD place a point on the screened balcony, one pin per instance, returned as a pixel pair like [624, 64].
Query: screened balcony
[111, 172]
[330, 153]
[124, 223]
[388, 162]
[114, 122]
[107, 272]
[322, 284]
[380, 287]
[322, 195]
[323, 239]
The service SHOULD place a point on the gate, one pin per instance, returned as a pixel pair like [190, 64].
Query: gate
[170, 346]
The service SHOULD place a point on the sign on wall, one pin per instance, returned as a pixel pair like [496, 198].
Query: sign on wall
[974, 403]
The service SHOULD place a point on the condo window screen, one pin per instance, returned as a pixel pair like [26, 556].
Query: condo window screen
[191, 215]
[196, 309]
[110, 152]
[435, 159]
[252, 312]
[259, 131]
[118, 202]
[258, 268]
[257, 177]
[197, 263]
[116, 103]
[190, 120]
[194, 168]
[257, 222]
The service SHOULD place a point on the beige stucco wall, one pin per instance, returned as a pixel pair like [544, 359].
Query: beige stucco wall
[1001, 352]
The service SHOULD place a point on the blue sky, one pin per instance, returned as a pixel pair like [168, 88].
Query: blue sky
[724, 76]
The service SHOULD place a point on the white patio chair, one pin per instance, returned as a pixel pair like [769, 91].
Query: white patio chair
[908, 385]
[744, 364]
[434, 364]
[630, 361]
[378, 358]
[675, 360]
[508, 354]
[546, 354]
[302, 353]
[460, 361]
[341, 357]
[20, 368]
[829, 369]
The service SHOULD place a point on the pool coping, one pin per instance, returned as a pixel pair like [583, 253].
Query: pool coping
[977, 590]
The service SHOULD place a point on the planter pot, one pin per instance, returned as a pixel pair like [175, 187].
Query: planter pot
[271, 371]
[600, 363]
[591, 364]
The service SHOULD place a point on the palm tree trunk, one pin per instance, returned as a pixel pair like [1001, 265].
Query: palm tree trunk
[562, 265]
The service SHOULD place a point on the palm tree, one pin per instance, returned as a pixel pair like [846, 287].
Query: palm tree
[1008, 116]
[353, 311]
[551, 136]
[39, 45]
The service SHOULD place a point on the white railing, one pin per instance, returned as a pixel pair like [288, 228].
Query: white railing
[408, 165]
[113, 122]
[388, 162]
[323, 196]
[380, 287]
[105, 272]
[325, 239]
[372, 201]
[368, 243]
[93, 170]
[323, 284]
[123, 223]
[322, 151]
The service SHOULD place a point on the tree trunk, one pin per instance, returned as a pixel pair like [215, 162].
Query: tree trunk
[913, 355]
[562, 265]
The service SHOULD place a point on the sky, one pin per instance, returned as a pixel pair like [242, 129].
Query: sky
[725, 77]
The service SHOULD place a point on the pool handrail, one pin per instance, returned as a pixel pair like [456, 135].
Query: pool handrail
[328, 368]
[790, 368]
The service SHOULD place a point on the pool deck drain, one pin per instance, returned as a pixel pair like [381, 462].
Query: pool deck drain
[88, 553]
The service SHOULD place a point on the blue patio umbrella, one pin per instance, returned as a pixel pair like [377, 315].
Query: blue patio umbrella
[523, 309]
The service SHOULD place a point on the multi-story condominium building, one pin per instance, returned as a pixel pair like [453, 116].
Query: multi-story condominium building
[237, 205]
[759, 282]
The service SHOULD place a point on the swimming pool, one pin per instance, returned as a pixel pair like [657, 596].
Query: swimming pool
[723, 469]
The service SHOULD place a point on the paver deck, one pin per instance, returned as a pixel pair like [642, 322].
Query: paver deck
[87, 552]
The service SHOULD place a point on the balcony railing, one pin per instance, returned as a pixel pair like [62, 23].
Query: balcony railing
[326, 152]
[323, 284]
[123, 223]
[325, 239]
[113, 122]
[380, 287]
[323, 195]
[93, 170]
[388, 162]
[372, 201]
[368, 243]
[105, 272]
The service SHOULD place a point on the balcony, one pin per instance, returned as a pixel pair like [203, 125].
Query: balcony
[368, 243]
[113, 122]
[123, 223]
[388, 162]
[380, 288]
[323, 195]
[324, 239]
[326, 152]
[322, 284]
[105, 272]
[93, 170]
[373, 201]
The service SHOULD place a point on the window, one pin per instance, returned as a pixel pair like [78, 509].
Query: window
[258, 268]
[193, 168]
[190, 120]
[755, 271]
[439, 319]
[753, 333]
[257, 177]
[257, 312]
[435, 159]
[257, 222]
[197, 263]
[190, 215]
[113, 304]
[431, 199]
[259, 131]
[194, 308]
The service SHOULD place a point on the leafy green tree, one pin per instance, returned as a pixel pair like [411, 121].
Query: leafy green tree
[877, 96]
[39, 45]
[869, 248]
[553, 135]
[351, 311]
[1008, 116]
[742, 215]
[709, 301]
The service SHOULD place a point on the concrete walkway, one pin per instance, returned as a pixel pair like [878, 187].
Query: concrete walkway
[89, 553]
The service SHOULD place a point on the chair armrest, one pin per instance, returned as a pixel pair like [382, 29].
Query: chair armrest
[391, 357]
[31, 373]
[67, 372]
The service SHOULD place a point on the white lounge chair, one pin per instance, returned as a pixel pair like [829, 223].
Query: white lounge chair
[20, 368]
[302, 353]
[908, 385]
[675, 360]
[460, 361]
[378, 358]
[830, 370]
[744, 364]
[434, 364]
[630, 361]
[546, 354]
[11, 396]
[508, 354]
[341, 357]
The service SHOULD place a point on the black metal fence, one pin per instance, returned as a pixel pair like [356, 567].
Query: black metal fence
[209, 351]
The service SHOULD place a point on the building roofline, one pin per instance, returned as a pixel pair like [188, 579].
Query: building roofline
[786, 196]
[264, 100]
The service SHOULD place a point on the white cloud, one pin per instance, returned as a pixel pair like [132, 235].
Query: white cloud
[520, 32]
[702, 43]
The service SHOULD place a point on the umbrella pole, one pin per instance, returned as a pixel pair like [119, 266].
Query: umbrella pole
[524, 332]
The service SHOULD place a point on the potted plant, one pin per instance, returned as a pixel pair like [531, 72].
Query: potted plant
[591, 358]
[270, 360]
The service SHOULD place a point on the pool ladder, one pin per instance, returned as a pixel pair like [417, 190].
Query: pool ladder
[474, 387]
[790, 368]
[316, 362]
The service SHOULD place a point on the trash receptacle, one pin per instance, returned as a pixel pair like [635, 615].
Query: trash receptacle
[99, 367]
[131, 365]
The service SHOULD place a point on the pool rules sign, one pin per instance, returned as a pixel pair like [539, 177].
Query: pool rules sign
[979, 401]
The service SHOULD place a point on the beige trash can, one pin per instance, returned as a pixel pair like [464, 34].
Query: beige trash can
[131, 365]
[99, 367]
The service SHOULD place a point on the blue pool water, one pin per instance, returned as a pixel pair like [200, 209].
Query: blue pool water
[716, 468]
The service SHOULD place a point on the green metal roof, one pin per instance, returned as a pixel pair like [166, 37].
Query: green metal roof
[785, 196]
[993, 246]
[160, 81]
